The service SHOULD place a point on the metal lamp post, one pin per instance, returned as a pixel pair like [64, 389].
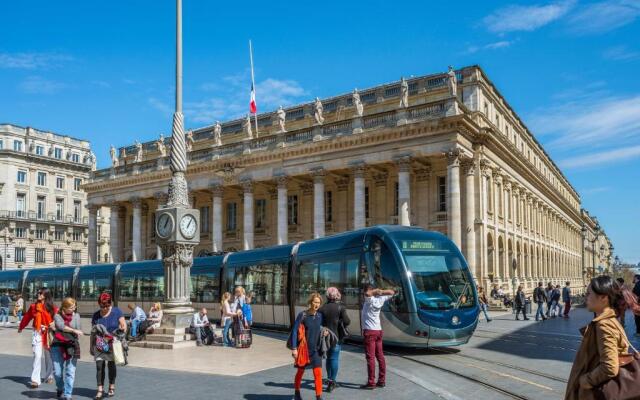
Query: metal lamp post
[177, 224]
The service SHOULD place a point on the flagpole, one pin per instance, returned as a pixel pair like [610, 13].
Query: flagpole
[253, 82]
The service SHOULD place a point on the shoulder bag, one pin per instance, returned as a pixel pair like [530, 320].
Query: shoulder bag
[625, 385]
[343, 332]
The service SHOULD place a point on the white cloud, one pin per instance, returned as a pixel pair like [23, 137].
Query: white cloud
[604, 16]
[526, 18]
[603, 157]
[592, 121]
[620, 53]
[160, 105]
[502, 44]
[33, 61]
[40, 85]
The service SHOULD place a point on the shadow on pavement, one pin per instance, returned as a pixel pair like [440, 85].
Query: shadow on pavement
[39, 394]
[24, 380]
[267, 396]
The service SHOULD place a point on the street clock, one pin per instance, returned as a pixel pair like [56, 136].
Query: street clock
[179, 225]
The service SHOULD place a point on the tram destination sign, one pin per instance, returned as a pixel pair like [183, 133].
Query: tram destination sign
[421, 245]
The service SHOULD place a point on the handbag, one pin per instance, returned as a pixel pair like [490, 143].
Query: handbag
[118, 352]
[625, 385]
[343, 332]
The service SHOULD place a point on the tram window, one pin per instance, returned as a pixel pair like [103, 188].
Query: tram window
[351, 289]
[63, 289]
[205, 288]
[87, 288]
[330, 275]
[128, 288]
[279, 284]
[387, 274]
[102, 284]
[307, 281]
[10, 286]
[151, 286]
[259, 280]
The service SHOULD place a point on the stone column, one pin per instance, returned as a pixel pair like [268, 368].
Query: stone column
[404, 191]
[283, 226]
[114, 233]
[507, 208]
[453, 209]
[359, 220]
[470, 217]
[318, 203]
[216, 208]
[93, 234]
[247, 236]
[136, 229]
[497, 187]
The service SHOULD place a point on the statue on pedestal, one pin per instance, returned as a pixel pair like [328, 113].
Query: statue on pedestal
[139, 152]
[357, 103]
[247, 127]
[217, 134]
[114, 159]
[317, 112]
[404, 93]
[282, 116]
[452, 82]
[162, 148]
[189, 141]
[90, 159]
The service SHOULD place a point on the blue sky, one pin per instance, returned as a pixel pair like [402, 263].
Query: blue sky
[104, 71]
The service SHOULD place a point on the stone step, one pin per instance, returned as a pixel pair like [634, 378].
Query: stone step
[169, 338]
[164, 345]
[175, 331]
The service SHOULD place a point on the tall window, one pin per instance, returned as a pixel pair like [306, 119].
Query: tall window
[396, 198]
[231, 216]
[75, 157]
[40, 207]
[59, 234]
[500, 197]
[260, 213]
[76, 184]
[21, 233]
[57, 153]
[77, 212]
[17, 145]
[21, 204]
[22, 177]
[20, 254]
[40, 255]
[41, 234]
[99, 232]
[366, 202]
[58, 256]
[292, 210]
[77, 235]
[204, 219]
[442, 194]
[508, 205]
[1, 144]
[40, 151]
[59, 182]
[328, 206]
[59, 209]
[489, 194]
[42, 179]
[76, 257]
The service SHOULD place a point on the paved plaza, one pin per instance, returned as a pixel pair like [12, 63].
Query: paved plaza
[505, 359]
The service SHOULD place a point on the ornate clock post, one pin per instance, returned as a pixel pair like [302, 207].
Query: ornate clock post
[177, 225]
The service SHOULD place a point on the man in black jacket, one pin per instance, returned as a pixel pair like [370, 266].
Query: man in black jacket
[540, 297]
[520, 304]
[636, 291]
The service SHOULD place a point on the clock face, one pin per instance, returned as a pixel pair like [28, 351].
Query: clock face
[164, 225]
[188, 226]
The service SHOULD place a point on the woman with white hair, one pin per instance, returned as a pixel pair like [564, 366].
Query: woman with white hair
[337, 320]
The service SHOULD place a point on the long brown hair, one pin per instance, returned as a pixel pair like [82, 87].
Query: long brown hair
[606, 286]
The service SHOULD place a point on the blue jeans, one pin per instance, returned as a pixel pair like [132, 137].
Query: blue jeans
[540, 311]
[484, 308]
[333, 362]
[4, 314]
[19, 315]
[225, 333]
[134, 327]
[64, 372]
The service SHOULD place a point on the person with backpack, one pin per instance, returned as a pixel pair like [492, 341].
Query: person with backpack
[247, 313]
[540, 297]
[336, 320]
[65, 349]
[41, 312]
[566, 298]
[304, 342]
[520, 303]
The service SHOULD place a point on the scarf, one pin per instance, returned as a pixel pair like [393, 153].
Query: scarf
[67, 340]
[41, 321]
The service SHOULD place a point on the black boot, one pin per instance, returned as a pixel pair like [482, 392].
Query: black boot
[318, 397]
[297, 396]
[330, 386]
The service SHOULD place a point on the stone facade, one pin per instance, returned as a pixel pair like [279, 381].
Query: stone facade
[456, 161]
[43, 220]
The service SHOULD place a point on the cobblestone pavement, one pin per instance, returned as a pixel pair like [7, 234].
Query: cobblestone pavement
[505, 358]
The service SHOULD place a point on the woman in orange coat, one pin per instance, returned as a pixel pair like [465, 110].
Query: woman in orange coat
[41, 313]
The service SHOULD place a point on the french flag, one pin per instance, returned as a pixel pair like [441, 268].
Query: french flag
[252, 104]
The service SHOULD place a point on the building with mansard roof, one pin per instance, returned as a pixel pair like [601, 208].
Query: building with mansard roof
[43, 220]
[445, 152]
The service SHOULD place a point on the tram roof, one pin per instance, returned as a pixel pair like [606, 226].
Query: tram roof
[92, 269]
[51, 271]
[12, 274]
[282, 252]
[141, 265]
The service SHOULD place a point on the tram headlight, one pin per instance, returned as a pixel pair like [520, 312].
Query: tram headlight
[455, 320]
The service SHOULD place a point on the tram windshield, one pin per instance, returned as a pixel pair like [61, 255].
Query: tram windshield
[438, 274]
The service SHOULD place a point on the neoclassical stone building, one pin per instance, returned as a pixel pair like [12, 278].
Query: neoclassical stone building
[43, 220]
[445, 152]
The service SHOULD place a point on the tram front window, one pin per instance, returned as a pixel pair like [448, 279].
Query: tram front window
[439, 278]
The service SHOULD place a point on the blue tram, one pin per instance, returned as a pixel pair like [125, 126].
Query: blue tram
[436, 302]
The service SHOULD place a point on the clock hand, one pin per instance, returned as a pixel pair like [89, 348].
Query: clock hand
[166, 222]
[189, 225]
